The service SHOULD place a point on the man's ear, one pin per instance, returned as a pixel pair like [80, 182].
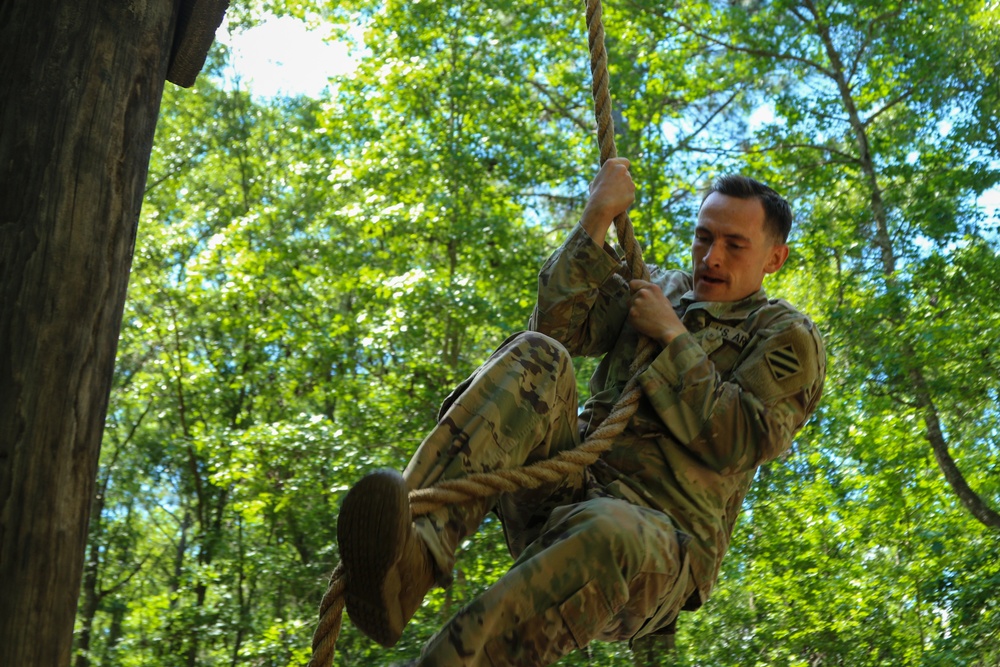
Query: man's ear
[779, 253]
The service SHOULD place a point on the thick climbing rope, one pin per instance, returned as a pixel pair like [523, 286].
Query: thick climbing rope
[557, 468]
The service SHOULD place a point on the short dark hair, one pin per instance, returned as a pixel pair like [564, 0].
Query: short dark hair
[777, 211]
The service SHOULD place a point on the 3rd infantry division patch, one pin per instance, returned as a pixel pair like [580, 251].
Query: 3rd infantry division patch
[783, 362]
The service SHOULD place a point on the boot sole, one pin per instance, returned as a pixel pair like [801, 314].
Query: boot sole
[374, 521]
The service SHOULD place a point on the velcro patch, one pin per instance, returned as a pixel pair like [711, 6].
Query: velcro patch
[733, 335]
[783, 362]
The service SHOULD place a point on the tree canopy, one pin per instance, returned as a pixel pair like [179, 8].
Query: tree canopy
[313, 276]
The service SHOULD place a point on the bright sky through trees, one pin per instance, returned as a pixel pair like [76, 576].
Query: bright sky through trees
[282, 56]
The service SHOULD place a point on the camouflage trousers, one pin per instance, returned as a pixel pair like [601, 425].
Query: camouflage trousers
[587, 566]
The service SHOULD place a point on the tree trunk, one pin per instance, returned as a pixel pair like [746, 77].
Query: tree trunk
[80, 89]
[935, 436]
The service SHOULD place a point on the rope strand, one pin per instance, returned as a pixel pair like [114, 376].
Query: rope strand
[606, 129]
[483, 485]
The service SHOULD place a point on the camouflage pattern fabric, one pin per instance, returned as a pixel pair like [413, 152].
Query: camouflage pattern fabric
[616, 552]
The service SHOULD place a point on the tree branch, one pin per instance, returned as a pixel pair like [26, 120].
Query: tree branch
[888, 105]
[760, 53]
[935, 436]
[869, 35]
[119, 585]
[561, 108]
[685, 143]
[846, 158]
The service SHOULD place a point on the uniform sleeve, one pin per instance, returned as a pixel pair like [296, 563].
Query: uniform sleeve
[736, 425]
[582, 296]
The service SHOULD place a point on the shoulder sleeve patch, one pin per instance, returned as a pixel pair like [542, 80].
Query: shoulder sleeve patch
[783, 362]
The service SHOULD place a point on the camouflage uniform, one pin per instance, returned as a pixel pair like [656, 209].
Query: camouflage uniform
[615, 552]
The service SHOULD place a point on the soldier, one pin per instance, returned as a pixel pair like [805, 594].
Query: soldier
[617, 551]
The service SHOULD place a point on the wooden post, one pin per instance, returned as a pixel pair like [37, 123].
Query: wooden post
[80, 89]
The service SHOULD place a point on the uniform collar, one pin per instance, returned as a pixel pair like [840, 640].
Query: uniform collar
[726, 310]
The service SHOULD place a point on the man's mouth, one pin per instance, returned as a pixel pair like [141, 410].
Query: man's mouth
[712, 280]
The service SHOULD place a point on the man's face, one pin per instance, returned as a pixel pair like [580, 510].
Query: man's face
[732, 252]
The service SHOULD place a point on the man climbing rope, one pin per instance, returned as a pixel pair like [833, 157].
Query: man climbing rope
[618, 550]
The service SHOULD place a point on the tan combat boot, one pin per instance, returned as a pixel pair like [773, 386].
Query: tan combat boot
[388, 569]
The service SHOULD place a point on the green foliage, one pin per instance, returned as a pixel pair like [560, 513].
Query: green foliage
[312, 277]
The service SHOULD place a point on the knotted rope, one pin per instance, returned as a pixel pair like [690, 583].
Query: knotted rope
[555, 469]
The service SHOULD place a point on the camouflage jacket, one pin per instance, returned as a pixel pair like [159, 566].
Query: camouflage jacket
[718, 402]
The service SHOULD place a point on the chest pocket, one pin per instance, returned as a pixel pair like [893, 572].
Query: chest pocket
[723, 345]
[710, 339]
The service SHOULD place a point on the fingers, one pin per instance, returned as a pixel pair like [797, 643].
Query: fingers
[612, 192]
[617, 169]
[651, 313]
[636, 285]
[614, 170]
[614, 186]
[646, 300]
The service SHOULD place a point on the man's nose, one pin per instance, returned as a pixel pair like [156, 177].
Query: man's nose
[713, 257]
